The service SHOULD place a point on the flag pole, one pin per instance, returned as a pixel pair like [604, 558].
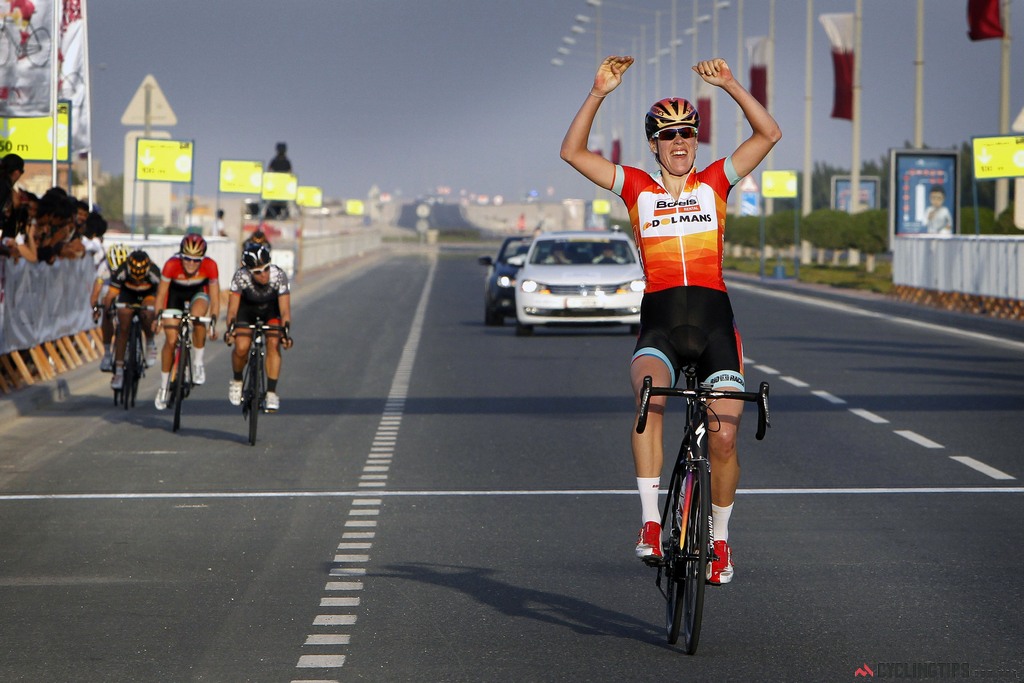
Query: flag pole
[769, 202]
[740, 48]
[56, 10]
[919, 79]
[805, 207]
[855, 206]
[1003, 184]
[87, 105]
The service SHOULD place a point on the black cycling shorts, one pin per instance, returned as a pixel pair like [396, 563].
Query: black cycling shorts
[683, 325]
[267, 312]
[135, 296]
[177, 296]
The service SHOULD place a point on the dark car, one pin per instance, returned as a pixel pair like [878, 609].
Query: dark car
[500, 283]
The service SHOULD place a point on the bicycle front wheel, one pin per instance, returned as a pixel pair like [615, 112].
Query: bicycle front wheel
[696, 551]
[184, 374]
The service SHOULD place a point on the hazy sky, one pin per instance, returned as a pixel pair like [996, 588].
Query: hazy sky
[412, 94]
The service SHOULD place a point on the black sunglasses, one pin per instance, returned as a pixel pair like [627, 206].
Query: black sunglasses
[671, 133]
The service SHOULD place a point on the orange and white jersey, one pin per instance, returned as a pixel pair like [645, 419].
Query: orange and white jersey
[679, 238]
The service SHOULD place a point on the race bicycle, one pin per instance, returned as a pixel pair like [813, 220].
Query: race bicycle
[254, 378]
[179, 384]
[688, 547]
[134, 358]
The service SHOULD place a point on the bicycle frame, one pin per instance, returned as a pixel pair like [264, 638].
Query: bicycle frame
[254, 381]
[179, 383]
[134, 355]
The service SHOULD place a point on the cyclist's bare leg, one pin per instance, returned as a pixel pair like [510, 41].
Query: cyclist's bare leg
[241, 351]
[170, 339]
[200, 305]
[147, 317]
[723, 425]
[648, 452]
[124, 320]
[273, 356]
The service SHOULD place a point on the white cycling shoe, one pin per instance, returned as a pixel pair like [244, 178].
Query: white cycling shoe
[235, 392]
[273, 402]
[161, 399]
[198, 374]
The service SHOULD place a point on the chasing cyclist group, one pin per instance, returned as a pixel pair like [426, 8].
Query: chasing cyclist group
[130, 281]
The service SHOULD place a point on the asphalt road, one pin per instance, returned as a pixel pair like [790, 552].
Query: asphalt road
[442, 501]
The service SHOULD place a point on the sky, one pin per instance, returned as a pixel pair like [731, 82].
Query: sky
[412, 95]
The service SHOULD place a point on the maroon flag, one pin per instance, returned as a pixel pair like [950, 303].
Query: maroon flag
[757, 49]
[616, 150]
[983, 20]
[704, 112]
[839, 28]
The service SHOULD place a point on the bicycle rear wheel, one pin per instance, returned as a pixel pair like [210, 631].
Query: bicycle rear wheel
[131, 367]
[251, 392]
[183, 375]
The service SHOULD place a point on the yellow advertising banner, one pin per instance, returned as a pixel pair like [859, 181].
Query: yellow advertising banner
[778, 184]
[279, 186]
[309, 196]
[244, 177]
[601, 207]
[998, 157]
[354, 207]
[167, 161]
[31, 137]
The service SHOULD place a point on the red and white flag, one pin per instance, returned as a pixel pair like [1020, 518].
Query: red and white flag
[839, 28]
[983, 19]
[25, 66]
[73, 72]
[704, 112]
[757, 51]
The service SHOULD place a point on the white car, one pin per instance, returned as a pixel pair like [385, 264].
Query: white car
[579, 278]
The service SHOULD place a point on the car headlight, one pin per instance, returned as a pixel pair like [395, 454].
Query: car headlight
[529, 286]
[506, 281]
[637, 285]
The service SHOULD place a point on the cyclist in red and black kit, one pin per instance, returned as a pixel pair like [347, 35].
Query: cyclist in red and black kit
[259, 289]
[134, 282]
[678, 219]
[188, 276]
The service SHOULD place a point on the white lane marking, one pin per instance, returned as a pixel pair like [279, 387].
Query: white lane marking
[981, 467]
[869, 416]
[334, 620]
[828, 397]
[848, 308]
[795, 382]
[917, 438]
[356, 523]
[767, 370]
[339, 602]
[328, 639]
[320, 661]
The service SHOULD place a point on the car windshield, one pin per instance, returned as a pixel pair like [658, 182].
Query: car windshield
[582, 252]
[514, 248]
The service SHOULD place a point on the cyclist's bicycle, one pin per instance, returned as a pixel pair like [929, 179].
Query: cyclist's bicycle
[179, 384]
[134, 358]
[688, 548]
[254, 377]
[36, 48]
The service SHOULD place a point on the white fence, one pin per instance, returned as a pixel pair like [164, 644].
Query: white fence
[984, 265]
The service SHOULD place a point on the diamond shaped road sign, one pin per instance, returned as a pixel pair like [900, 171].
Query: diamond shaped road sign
[158, 112]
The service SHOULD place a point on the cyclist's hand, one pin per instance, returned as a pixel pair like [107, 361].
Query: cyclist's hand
[714, 71]
[286, 342]
[609, 74]
[96, 311]
[212, 330]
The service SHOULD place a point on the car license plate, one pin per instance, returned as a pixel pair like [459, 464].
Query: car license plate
[581, 302]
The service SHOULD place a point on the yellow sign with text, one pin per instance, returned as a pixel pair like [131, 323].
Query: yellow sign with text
[998, 157]
[167, 161]
[778, 184]
[309, 196]
[245, 177]
[31, 137]
[280, 187]
[601, 207]
[354, 207]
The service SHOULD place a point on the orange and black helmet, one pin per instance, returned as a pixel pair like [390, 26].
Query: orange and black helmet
[671, 112]
[138, 264]
[193, 246]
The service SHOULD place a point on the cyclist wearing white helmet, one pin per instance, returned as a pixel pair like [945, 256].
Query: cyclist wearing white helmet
[259, 289]
[678, 219]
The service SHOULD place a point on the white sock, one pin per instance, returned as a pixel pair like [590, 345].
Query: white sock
[720, 521]
[164, 376]
[648, 488]
[199, 352]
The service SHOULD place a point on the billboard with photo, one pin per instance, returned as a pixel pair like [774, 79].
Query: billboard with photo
[869, 192]
[923, 193]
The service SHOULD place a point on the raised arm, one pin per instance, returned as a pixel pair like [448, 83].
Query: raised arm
[574, 145]
[765, 131]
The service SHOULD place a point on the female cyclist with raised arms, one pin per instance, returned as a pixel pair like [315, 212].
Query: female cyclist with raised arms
[678, 219]
[259, 289]
[188, 276]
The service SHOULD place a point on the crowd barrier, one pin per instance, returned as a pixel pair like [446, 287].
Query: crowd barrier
[46, 324]
[981, 274]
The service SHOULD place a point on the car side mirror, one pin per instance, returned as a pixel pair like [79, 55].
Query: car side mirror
[517, 261]
[485, 261]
